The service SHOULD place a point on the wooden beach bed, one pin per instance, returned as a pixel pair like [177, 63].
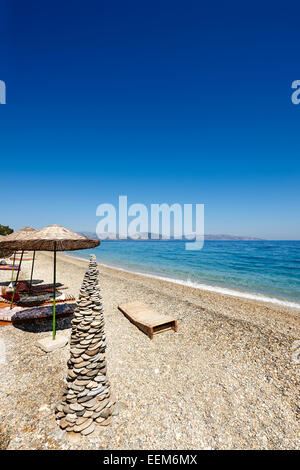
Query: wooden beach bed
[146, 319]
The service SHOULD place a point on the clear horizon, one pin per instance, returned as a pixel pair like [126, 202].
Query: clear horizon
[163, 102]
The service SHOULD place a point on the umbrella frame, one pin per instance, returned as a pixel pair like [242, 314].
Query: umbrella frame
[12, 274]
[17, 278]
[54, 285]
[40, 244]
[30, 285]
[54, 292]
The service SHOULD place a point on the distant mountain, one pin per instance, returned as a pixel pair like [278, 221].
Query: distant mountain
[223, 237]
[208, 237]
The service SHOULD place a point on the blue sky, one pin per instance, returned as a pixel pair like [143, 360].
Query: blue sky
[161, 101]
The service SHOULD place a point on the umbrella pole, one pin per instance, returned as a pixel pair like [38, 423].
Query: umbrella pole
[54, 290]
[30, 285]
[12, 274]
[14, 291]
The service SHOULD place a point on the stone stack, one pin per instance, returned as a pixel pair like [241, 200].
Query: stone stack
[86, 399]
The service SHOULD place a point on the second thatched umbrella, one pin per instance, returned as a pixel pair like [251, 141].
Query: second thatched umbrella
[52, 238]
[12, 239]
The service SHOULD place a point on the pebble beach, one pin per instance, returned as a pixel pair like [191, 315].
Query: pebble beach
[225, 380]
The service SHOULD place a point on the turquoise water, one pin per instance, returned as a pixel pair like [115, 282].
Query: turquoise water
[268, 268]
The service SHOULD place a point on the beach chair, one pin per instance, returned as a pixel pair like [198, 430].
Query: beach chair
[148, 320]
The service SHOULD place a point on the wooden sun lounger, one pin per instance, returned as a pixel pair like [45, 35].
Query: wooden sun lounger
[146, 319]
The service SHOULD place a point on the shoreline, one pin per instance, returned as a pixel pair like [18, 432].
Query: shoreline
[228, 291]
[237, 308]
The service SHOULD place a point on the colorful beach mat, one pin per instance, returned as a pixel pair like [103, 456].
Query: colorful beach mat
[39, 302]
[42, 313]
[8, 267]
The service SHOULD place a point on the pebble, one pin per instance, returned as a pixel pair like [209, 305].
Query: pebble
[88, 430]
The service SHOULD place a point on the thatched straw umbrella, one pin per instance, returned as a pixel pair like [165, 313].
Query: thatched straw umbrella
[12, 239]
[52, 238]
[5, 253]
[2, 238]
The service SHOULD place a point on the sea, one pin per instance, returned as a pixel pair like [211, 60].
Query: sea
[260, 270]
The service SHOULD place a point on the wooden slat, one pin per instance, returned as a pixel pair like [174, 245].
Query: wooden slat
[146, 319]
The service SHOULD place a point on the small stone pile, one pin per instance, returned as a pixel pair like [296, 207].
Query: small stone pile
[86, 399]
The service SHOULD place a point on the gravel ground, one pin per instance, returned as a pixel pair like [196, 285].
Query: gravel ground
[225, 380]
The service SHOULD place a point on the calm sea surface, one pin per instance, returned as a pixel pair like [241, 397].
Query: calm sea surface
[253, 269]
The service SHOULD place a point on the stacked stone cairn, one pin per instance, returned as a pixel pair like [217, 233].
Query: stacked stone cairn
[86, 399]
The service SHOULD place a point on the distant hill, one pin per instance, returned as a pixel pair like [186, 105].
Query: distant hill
[208, 237]
[223, 237]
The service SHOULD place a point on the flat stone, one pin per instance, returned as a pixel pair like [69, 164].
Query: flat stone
[83, 400]
[92, 385]
[76, 407]
[91, 366]
[95, 391]
[85, 342]
[88, 430]
[106, 422]
[67, 409]
[70, 428]
[95, 358]
[99, 420]
[71, 418]
[100, 378]
[71, 400]
[92, 353]
[83, 328]
[82, 364]
[72, 374]
[80, 421]
[82, 382]
[76, 360]
[92, 372]
[48, 344]
[77, 351]
[89, 404]
[102, 396]
[90, 336]
[76, 387]
[102, 404]
[77, 371]
[95, 347]
[106, 412]
[63, 423]
[85, 424]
